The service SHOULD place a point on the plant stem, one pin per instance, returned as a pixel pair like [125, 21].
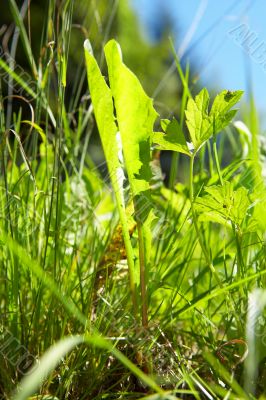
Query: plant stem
[128, 247]
[217, 160]
[210, 159]
[195, 221]
[142, 271]
[238, 246]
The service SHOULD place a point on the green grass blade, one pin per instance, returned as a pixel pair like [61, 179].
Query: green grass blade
[54, 355]
[48, 362]
[29, 264]
[219, 292]
[256, 347]
[17, 78]
[24, 37]
[27, 88]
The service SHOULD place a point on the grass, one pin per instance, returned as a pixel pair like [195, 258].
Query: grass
[179, 328]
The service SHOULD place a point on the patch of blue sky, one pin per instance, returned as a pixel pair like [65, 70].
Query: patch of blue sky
[205, 33]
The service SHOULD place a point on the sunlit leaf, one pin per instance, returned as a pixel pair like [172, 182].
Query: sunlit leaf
[258, 220]
[221, 107]
[199, 123]
[173, 139]
[222, 204]
[135, 117]
[102, 101]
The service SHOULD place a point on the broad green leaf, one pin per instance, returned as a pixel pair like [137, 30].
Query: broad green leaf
[222, 121]
[199, 123]
[224, 101]
[135, 117]
[222, 204]
[173, 139]
[220, 110]
[102, 101]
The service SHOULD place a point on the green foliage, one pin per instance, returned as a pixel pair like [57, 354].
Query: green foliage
[104, 113]
[135, 120]
[223, 204]
[173, 139]
[54, 355]
[102, 101]
[201, 123]
[72, 233]
[135, 117]
[254, 335]
[24, 38]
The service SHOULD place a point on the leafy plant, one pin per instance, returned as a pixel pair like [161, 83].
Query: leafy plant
[134, 121]
[201, 123]
[173, 139]
[223, 204]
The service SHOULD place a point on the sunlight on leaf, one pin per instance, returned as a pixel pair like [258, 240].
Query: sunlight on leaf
[102, 101]
[103, 110]
[199, 123]
[220, 110]
[202, 124]
[223, 204]
[135, 117]
[173, 139]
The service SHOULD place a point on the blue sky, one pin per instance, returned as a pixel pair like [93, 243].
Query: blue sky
[218, 54]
